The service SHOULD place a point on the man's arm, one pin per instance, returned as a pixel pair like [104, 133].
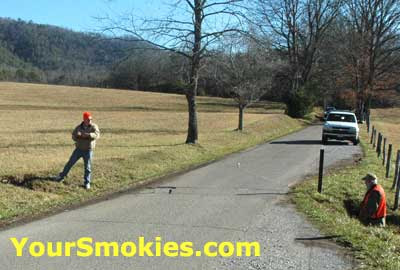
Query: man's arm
[75, 134]
[92, 135]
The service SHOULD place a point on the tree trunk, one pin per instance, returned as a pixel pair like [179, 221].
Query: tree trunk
[192, 135]
[192, 125]
[241, 111]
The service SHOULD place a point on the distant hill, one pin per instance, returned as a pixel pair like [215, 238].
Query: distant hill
[32, 52]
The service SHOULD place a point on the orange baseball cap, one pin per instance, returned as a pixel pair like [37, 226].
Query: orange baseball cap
[87, 115]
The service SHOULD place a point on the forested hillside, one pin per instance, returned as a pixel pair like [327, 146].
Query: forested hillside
[42, 53]
[339, 57]
[39, 53]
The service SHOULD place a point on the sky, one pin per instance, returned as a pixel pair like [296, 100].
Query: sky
[77, 15]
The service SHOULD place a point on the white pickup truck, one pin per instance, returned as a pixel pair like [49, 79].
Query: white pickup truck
[341, 125]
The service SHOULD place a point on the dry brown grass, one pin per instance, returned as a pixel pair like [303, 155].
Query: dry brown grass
[387, 121]
[142, 137]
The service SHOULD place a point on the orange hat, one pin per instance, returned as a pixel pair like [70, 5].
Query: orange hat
[87, 115]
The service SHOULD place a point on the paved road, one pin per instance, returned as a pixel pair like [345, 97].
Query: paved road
[223, 201]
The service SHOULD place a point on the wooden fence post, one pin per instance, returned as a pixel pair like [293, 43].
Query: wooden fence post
[321, 170]
[396, 195]
[367, 118]
[372, 134]
[396, 170]
[375, 139]
[389, 161]
[379, 146]
[384, 151]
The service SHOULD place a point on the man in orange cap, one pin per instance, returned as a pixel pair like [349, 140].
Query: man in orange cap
[85, 136]
[373, 207]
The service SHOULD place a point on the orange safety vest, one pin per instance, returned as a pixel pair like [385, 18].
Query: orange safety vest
[381, 211]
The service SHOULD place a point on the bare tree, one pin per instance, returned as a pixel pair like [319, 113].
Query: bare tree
[247, 69]
[373, 44]
[297, 28]
[245, 94]
[190, 29]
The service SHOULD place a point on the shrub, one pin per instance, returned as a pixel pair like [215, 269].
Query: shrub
[300, 103]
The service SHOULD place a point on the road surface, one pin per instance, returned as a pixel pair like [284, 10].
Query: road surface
[240, 198]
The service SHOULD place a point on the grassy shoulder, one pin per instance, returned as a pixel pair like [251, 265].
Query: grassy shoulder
[142, 138]
[335, 211]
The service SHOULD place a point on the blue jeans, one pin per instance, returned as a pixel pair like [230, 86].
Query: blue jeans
[87, 159]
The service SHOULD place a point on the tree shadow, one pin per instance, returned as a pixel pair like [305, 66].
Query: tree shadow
[305, 142]
[146, 145]
[216, 104]
[263, 193]
[142, 131]
[337, 143]
[53, 131]
[25, 181]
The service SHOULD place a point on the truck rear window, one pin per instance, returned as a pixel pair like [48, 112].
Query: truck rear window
[341, 117]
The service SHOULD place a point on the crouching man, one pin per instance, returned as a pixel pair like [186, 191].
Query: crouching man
[373, 207]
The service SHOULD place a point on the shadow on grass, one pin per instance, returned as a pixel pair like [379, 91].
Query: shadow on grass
[216, 104]
[26, 181]
[393, 220]
[99, 109]
[141, 131]
[54, 131]
[35, 145]
[159, 145]
[352, 208]
[146, 145]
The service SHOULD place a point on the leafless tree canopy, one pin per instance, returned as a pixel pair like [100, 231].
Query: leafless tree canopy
[190, 29]
[345, 45]
[297, 28]
[373, 31]
[247, 70]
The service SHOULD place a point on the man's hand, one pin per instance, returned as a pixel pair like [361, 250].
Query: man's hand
[85, 135]
[81, 135]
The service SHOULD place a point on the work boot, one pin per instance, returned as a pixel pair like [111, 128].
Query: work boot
[58, 178]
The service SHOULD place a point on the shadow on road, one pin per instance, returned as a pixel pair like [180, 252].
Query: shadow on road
[263, 193]
[311, 142]
[317, 238]
[298, 142]
[337, 143]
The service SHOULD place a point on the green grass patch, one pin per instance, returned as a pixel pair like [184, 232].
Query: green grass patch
[335, 211]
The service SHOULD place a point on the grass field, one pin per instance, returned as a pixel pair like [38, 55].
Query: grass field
[142, 137]
[387, 121]
[335, 211]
